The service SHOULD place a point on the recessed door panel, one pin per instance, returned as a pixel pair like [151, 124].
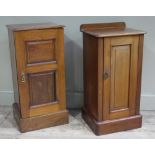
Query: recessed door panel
[120, 63]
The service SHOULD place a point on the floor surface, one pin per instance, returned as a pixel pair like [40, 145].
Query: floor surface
[77, 128]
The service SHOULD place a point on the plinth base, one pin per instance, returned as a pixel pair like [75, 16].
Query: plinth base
[39, 122]
[111, 126]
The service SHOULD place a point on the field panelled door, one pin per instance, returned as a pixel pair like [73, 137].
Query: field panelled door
[120, 77]
[40, 58]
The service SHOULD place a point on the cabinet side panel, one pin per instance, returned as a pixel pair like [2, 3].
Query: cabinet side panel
[13, 66]
[90, 49]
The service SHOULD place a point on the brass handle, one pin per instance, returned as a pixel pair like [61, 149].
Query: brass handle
[23, 77]
[106, 75]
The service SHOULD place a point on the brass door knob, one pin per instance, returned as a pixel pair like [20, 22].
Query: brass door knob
[23, 77]
[106, 75]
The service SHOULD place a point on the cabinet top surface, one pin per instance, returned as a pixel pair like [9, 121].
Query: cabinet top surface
[109, 29]
[22, 27]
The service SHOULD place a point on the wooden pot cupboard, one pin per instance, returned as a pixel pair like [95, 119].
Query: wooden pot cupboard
[37, 56]
[112, 77]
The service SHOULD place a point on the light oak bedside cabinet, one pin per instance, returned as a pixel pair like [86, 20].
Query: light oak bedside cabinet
[37, 56]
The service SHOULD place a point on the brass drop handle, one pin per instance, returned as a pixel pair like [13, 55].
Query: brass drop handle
[106, 75]
[23, 77]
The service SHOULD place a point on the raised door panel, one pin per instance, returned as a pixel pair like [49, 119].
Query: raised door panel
[42, 88]
[40, 51]
[40, 65]
[120, 71]
[120, 87]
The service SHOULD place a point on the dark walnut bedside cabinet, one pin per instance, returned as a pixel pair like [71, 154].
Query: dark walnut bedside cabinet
[37, 56]
[112, 77]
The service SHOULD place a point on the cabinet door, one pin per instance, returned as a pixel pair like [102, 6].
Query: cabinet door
[120, 77]
[40, 65]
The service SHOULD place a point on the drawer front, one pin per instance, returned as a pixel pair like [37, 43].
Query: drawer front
[120, 77]
[40, 65]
